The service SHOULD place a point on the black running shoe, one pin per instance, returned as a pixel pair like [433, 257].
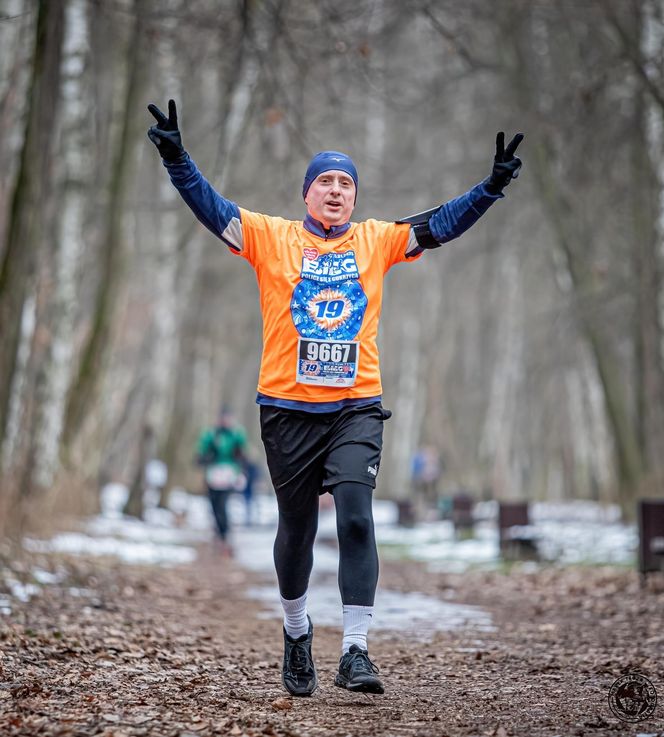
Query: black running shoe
[299, 673]
[357, 672]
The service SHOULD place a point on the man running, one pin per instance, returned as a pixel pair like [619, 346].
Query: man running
[221, 451]
[319, 389]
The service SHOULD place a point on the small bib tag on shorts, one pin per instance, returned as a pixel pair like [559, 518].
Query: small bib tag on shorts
[327, 362]
[224, 476]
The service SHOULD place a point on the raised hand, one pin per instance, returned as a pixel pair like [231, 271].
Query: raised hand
[505, 164]
[165, 134]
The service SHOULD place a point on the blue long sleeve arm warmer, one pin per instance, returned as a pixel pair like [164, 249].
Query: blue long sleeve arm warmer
[222, 217]
[456, 216]
[218, 215]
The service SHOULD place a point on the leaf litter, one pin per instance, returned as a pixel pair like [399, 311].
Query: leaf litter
[176, 652]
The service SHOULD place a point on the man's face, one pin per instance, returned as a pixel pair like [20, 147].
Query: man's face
[331, 198]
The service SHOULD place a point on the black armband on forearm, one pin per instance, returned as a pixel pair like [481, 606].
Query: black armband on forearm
[419, 224]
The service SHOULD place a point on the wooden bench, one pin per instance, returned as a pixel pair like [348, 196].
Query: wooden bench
[651, 535]
[462, 514]
[517, 540]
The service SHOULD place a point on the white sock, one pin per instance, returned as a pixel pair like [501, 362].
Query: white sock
[357, 620]
[295, 616]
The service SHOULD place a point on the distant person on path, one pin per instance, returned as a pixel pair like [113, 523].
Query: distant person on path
[427, 470]
[253, 474]
[221, 452]
[319, 390]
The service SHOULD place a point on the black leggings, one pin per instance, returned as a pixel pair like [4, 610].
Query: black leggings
[218, 500]
[358, 557]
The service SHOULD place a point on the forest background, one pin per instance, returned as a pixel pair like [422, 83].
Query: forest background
[528, 353]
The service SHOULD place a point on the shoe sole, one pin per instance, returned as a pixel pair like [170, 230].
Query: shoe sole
[374, 687]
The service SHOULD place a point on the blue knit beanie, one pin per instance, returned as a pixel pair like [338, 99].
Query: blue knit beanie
[329, 161]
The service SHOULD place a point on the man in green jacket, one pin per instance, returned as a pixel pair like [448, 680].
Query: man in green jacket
[221, 452]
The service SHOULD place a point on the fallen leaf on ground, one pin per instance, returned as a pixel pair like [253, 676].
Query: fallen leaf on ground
[282, 704]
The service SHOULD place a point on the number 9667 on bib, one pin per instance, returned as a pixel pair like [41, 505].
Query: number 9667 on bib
[327, 362]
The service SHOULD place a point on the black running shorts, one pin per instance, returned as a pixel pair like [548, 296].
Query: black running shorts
[310, 453]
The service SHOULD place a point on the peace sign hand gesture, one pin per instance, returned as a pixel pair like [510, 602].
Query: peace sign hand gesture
[165, 134]
[505, 164]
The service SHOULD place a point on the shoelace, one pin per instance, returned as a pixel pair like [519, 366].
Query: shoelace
[300, 659]
[362, 663]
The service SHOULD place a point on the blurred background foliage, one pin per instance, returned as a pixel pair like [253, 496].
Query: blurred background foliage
[528, 353]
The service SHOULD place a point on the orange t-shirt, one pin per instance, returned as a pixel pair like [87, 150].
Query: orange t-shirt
[320, 301]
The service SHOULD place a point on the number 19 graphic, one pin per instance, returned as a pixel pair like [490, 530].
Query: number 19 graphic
[330, 308]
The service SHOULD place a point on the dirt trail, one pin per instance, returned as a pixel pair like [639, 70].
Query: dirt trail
[132, 651]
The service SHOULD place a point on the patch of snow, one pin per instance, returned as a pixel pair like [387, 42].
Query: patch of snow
[133, 529]
[46, 577]
[575, 532]
[413, 614]
[21, 591]
[129, 551]
[113, 497]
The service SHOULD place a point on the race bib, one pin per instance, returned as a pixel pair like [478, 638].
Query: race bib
[327, 362]
[224, 476]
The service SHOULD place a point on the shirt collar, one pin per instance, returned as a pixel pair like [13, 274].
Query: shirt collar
[316, 227]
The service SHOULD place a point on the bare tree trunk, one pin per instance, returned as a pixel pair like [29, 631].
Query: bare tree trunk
[60, 271]
[85, 387]
[628, 454]
[575, 240]
[134, 505]
[407, 409]
[9, 110]
[233, 118]
[25, 228]
[499, 423]
[41, 396]
[646, 191]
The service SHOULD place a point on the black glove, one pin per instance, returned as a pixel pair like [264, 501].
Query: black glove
[506, 165]
[165, 135]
